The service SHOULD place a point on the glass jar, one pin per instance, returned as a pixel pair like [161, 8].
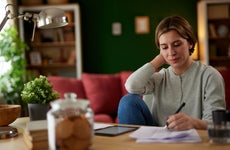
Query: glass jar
[219, 127]
[70, 124]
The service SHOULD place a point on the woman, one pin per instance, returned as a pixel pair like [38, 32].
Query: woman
[199, 86]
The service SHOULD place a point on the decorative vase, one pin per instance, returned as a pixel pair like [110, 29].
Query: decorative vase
[38, 111]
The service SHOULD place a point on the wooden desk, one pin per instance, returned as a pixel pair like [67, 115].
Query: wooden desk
[122, 142]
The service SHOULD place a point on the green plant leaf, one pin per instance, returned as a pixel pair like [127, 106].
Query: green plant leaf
[12, 49]
[39, 91]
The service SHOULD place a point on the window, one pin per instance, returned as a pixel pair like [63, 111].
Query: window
[3, 64]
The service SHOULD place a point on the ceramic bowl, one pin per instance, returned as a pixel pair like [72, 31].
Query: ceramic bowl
[9, 113]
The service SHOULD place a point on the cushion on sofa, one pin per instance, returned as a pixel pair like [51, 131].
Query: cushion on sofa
[63, 85]
[103, 118]
[124, 75]
[103, 92]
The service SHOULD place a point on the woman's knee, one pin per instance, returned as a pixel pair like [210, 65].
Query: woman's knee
[130, 99]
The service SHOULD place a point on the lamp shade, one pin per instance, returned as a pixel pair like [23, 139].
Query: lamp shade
[51, 18]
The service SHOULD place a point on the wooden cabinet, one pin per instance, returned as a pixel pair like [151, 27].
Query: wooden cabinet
[214, 32]
[54, 51]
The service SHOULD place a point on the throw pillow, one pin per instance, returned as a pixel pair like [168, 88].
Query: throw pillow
[103, 92]
[124, 75]
[65, 85]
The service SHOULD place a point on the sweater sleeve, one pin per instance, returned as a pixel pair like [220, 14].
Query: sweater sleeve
[214, 93]
[141, 81]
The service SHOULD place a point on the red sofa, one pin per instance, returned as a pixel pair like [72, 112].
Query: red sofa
[226, 75]
[104, 92]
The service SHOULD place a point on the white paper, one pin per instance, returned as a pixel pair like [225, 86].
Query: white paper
[149, 134]
[101, 125]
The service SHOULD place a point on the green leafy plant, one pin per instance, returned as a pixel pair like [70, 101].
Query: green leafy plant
[12, 50]
[39, 91]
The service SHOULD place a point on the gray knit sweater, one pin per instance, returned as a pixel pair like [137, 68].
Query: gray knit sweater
[201, 87]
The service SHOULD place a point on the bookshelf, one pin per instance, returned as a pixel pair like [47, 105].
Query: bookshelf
[54, 51]
[214, 32]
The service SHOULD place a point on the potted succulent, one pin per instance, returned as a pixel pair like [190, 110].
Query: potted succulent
[38, 93]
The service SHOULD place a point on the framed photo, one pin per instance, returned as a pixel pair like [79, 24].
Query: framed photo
[142, 24]
[35, 58]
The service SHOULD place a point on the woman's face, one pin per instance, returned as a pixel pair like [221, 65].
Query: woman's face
[175, 50]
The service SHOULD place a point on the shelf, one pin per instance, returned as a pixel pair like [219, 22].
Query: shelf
[219, 38]
[220, 20]
[57, 51]
[214, 32]
[53, 44]
[220, 61]
[53, 65]
[220, 58]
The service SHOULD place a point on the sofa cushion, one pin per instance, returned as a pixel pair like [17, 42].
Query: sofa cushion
[124, 75]
[63, 85]
[103, 92]
[103, 118]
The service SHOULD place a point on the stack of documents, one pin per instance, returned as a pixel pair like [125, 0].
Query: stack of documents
[147, 134]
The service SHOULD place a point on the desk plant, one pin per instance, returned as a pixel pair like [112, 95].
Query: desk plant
[38, 93]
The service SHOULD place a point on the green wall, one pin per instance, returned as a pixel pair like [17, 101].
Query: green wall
[105, 53]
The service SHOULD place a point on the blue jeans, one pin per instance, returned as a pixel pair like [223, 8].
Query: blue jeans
[133, 110]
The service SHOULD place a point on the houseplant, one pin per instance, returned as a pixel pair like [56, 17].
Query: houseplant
[12, 51]
[38, 93]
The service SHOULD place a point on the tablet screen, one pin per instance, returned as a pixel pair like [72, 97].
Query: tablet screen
[114, 130]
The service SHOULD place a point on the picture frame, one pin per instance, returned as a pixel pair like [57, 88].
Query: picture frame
[142, 24]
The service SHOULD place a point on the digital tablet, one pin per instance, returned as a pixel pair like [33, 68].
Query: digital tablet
[114, 130]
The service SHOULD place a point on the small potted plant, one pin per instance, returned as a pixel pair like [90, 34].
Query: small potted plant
[38, 93]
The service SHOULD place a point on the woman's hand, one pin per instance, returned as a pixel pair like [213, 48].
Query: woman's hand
[181, 121]
[158, 61]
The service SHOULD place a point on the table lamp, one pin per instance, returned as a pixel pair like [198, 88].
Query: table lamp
[46, 19]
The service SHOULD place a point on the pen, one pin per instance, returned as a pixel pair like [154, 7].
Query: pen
[178, 110]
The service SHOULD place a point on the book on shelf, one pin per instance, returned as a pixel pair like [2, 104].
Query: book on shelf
[212, 31]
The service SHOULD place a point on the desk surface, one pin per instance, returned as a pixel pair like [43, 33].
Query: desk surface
[121, 142]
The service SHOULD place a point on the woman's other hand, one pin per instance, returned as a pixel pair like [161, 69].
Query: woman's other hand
[181, 121]
[158, 61]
